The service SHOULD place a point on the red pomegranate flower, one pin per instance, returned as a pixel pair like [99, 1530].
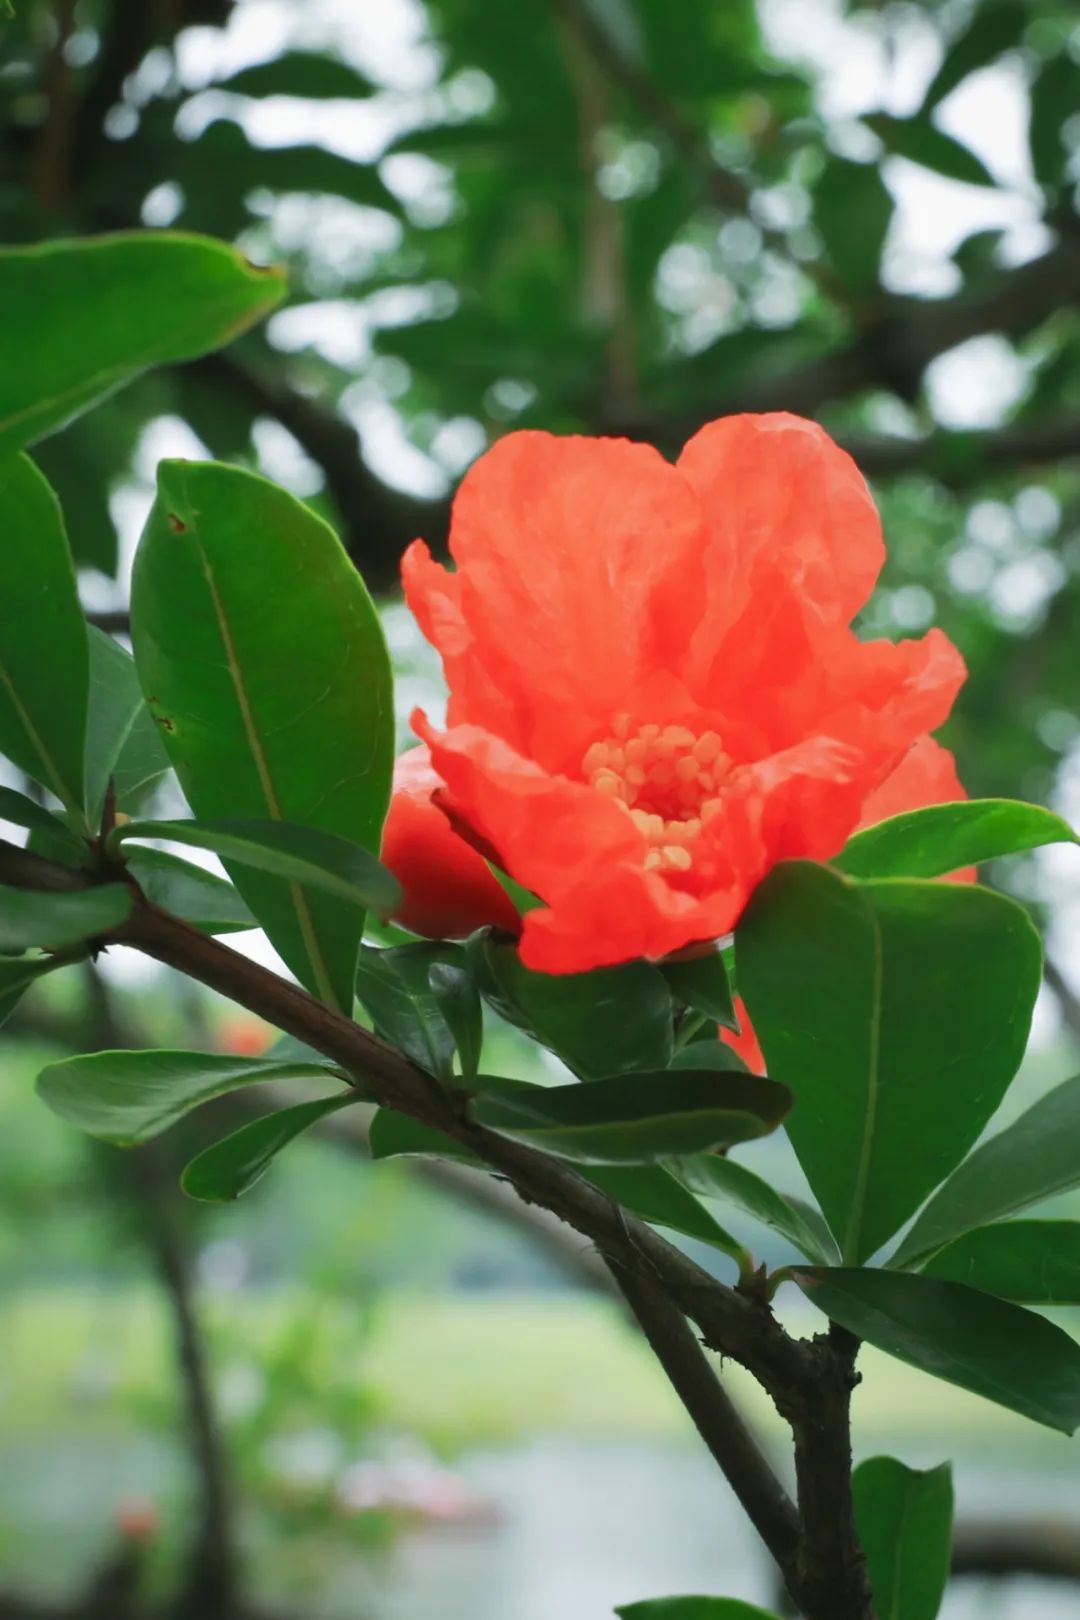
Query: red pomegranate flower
[655, 692]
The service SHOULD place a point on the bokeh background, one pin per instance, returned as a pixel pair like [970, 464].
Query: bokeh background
[378, 1393]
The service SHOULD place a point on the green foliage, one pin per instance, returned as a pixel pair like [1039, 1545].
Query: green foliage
[896, 1076]
[984, 1344]
[458, 1000]
[701, 982]
[1036, 1262]
[233, 1165]
[122, 742]
[692, 1608]
[187, 891]
[945, 837]
[44, 673]
[82, 318]
[1029, 1161]
[712, 1176]
[29, 917]
[904, 1520]
[395, 987]
[611, 1021]
[129, 1097]
[268, 714]
[638, 1118]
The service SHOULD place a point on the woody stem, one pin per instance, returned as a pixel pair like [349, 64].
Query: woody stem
[809, 1383]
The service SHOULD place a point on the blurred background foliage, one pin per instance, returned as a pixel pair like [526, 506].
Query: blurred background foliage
[617, 216]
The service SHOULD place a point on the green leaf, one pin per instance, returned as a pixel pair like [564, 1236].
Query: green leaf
[24, 812]
[84, 317]
[944, 837]
[701, 982]
[1055, 99]
[44, 663]
[610, 1021]
[1036, 1262]
[711, 1176]
[983, 1344]
[458, 1000]
[853, 208]
[1034, 1158]
[31, 917]
[904, 1520]
[122, 742]
[319, 860]
[635, 1119]
[710, 1053]
[650, 1191]
[236, 1163]
[199, 897]
[308, 74]
[394, 985]
[692, 1608]
[995, 27]
[922, 142]
[128, 1097]
[896, 1077]
[263, 661]
[17, 975]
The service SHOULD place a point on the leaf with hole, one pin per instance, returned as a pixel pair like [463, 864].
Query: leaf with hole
[904, 1521]
[986, 1345]
[232, 1166]
[263, 662]
[128, 1097]
[895, 1078]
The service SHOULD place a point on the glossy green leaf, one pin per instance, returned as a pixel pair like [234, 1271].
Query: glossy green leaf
[647, 1190]
[983, 1344]
[458, 1000]
[710, 1053]
[26, 812]
[701, 982]
[712, 1176]
[233, 1165]
[942, 838]
[32, 917]
[44, 663]
[128, 1097]
[122, 742]
[1035, 1262]
[610, 1021]
[199, 897]
[896, 1077]
[318, 860]
[904, 1520]
[263, 661]
[638, 1118]
[692, 1608]
[83, 317]
[1032, 1159]
[394, 985]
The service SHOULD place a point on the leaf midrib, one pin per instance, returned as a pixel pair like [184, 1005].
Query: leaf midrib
[266, 780]
[55, 780]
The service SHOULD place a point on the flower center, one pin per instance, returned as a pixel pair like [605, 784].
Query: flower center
[666, 778]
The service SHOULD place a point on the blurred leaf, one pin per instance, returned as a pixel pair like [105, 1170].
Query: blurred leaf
[30, 917]
[458, 999]
[638, 1118]
[922, 142]
[701, 982]
[128, 1097]
[692, 1608]
[904, 1522]
[853, 209]
[17, 974]
[24, 812]
[998, 1350]
[1030, 1160]
[394, 985]
[895, 1078]
[942, 838]
[1054, 99]
[610, 1021]
[187, 891]
[308, 74]
[233, 1165]
[711, 1176]
[282, 713]
[43, 658]
[319, 860]
[995, 26]
[1037, 1262]
[83, 317]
